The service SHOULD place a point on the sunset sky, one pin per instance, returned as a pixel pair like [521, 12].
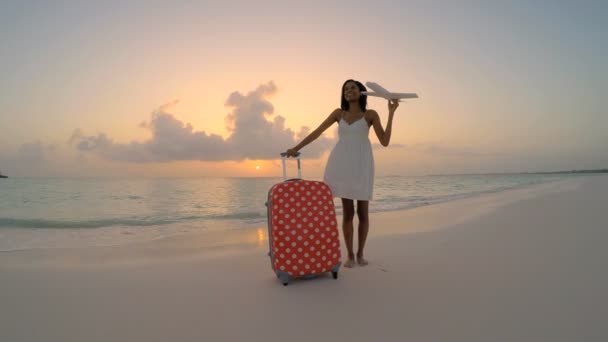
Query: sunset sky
[194, 88]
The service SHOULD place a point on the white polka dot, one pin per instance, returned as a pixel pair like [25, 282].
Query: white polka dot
[288, 261]
[293, 244]
[307, 266]
[282, 255]
[306, 255]
[287, 238]
[318, 264]
[299, 238]
[293, 256]
[287, 250]
[300, 261]
[300, 250]
[313, 259]
[328, 240]
[281, 244]
[282, 268]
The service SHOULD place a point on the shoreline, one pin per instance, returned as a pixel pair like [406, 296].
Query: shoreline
[232, 237]
[16, 238]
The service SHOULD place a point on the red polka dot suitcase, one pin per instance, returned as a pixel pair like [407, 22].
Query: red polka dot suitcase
[302, 228]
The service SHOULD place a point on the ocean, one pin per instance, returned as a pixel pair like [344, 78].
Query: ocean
[68, 212]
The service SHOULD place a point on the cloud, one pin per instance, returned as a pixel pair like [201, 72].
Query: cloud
[253, 135]
[32, 153]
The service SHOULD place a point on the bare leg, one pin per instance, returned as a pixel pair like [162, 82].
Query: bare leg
[348, 213]
[363, 215]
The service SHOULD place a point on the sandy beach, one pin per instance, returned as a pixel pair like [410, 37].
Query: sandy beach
[518, 265]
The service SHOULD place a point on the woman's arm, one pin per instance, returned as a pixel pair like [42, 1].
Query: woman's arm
[331, 118]
[384, 136]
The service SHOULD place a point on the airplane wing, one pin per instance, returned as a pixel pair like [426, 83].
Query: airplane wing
[381, 92]
[377, 88]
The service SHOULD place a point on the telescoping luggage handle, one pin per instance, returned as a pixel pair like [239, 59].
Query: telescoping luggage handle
[283, 157]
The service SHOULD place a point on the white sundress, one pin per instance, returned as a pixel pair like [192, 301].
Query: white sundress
[350, 166]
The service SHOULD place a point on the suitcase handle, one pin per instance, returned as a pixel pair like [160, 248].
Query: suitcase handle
[283, 157]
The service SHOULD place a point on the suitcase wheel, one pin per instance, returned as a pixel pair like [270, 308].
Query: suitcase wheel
[334, 274]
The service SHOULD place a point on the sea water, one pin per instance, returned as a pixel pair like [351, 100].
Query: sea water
[60, 212]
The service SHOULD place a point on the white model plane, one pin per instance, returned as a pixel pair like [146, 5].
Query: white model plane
[381, 92]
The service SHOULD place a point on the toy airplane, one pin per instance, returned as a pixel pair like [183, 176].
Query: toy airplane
[381, 92]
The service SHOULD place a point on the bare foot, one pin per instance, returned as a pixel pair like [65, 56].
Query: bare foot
[361, 261]
[349, 263]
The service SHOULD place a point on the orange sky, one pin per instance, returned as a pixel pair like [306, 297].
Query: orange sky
[497, 92]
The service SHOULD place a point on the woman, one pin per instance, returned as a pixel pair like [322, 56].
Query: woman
[350, 167]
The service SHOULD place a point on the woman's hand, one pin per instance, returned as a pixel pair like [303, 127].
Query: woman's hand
[392, 105]
[291, 152]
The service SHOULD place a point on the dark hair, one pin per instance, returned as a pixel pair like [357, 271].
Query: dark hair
[362, 99]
